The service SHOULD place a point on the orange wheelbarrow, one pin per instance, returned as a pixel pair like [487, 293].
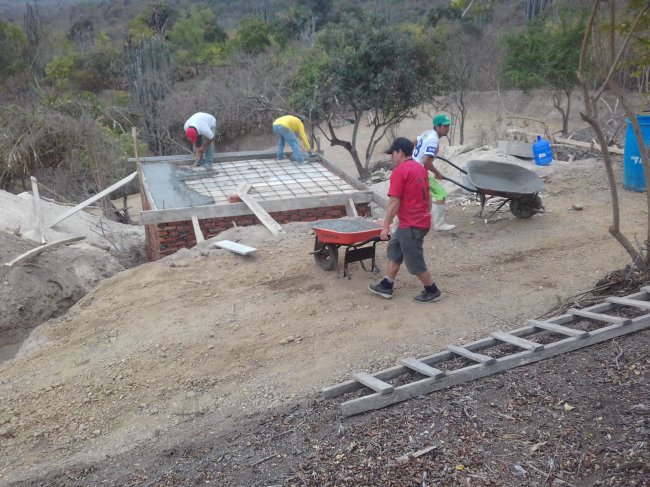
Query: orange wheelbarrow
[359, 237]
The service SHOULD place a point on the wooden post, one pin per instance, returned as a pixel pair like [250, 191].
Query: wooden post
[37, 210]
[138, 165]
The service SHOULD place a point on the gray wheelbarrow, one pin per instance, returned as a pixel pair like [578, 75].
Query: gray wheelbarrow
[516, 185]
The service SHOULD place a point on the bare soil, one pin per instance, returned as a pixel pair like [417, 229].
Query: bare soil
[206, 367]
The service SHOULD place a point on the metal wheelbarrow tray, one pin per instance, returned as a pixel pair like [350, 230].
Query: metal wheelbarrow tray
[515, 184]
[353, 234]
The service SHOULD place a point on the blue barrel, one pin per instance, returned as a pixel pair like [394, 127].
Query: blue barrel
[542, 152]
[633, 177]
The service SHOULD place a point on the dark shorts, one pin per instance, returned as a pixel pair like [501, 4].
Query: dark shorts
[406, 245]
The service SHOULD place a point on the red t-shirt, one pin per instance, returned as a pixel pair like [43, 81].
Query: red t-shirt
[410, 183]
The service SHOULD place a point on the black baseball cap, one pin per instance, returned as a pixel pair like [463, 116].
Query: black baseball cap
[403, 144]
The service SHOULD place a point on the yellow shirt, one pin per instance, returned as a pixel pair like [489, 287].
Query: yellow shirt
[295, 125]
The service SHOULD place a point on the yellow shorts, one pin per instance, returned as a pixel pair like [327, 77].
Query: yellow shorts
[437, 190]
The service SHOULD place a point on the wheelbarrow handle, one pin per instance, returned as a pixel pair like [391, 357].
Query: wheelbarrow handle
[471, 190]
[449, 162]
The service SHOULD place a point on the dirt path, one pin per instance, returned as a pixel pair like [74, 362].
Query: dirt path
[207, 332]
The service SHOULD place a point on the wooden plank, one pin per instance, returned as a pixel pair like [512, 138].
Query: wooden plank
[235, 247]
[197, 229]
[226, 209]
[424, 369]
[379, 200]
[476, 357]
[96, 197]
[266, 219]
[587, 145]
[562, 330]
[43, 248]
[373, 383]
[599, 316]
[460, 376]
[218, 157]
[629, 302]
[350, 209]
[518, 342]
[37, 210]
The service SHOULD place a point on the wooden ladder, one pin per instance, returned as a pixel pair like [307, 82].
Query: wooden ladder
[525, 340]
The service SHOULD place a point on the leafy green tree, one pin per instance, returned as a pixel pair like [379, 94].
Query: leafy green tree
[253, 35]
[440, 12]
[93, 70]
[197, 39]
[360, 66]
[303, 18]
[155, 20]
[544, 54]
[61, 69]
[12, 48]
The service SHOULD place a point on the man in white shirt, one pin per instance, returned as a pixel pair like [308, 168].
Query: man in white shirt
[200, 129]
[426, 149]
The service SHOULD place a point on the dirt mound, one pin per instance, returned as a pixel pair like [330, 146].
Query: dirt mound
[47, 285]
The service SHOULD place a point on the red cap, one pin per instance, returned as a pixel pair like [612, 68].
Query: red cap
[191, 134]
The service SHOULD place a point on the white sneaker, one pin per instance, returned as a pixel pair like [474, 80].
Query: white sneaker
[445, 227]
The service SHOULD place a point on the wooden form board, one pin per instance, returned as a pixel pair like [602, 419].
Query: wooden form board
[266, 219]
[570, 340]
[198, 234]
[37, 210]
[239, 209]
[43, 248]
[98, 196]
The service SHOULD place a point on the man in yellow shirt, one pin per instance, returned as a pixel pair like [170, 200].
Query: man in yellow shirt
[286, 128]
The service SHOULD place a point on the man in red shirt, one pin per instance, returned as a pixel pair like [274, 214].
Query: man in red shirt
[409, 199]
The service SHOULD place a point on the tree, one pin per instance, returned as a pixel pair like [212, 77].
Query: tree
[544, 54]
[94, 69]
[12, 46]
[253, 35]
[35, 34]
[359, 66]
[463, 46]
[601, 57]
[196, 39]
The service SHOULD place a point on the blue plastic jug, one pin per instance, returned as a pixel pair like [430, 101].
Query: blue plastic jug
[542, 152]
[633, 175]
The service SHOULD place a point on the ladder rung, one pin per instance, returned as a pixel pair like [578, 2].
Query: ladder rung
[562, 330]
[599, 316]
[629, 302]
[422, 368]
[476, 357]
[373, 383]
[519, 342]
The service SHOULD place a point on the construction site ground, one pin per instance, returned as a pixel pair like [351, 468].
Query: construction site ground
[205, 367]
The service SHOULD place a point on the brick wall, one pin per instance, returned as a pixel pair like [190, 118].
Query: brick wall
[166, 238]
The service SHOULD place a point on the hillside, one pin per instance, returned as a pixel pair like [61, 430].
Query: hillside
[209, 334]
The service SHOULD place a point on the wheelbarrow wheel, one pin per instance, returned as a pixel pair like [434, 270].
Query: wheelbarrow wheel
[527, 206]
[326, 256]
